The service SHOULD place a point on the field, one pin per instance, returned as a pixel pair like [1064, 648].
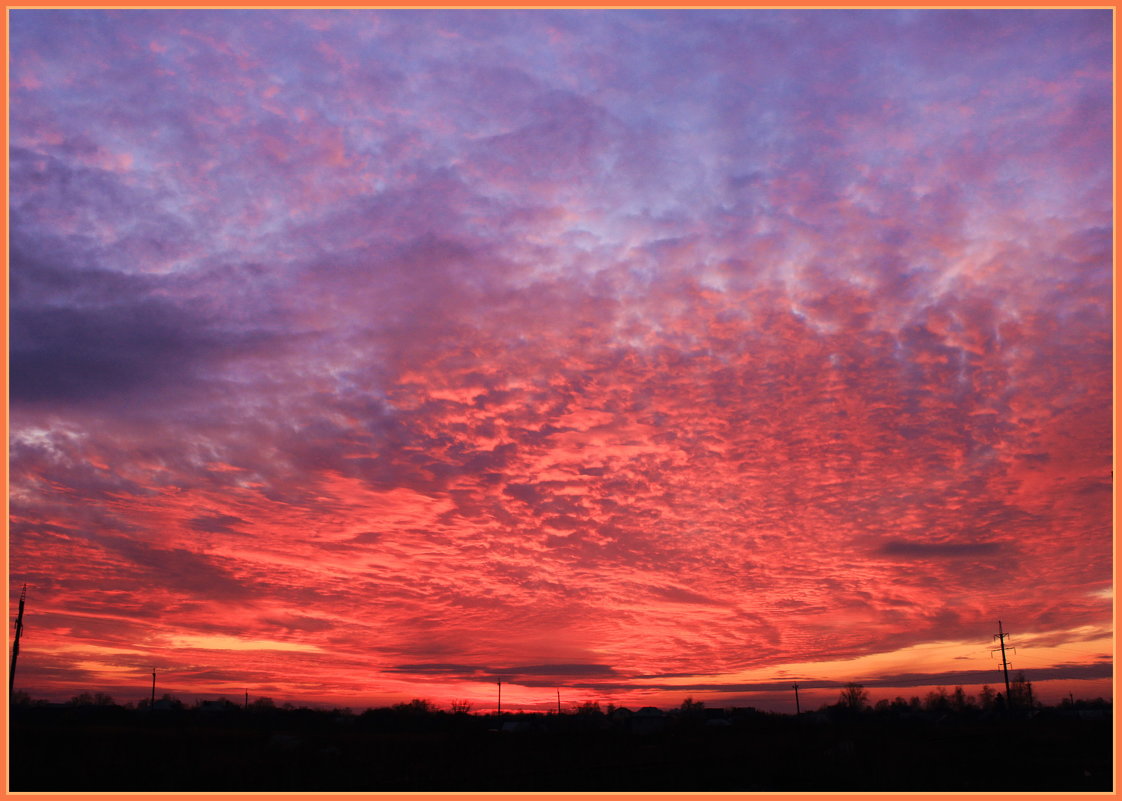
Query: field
[72, 749]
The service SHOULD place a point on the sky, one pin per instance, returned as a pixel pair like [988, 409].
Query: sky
[361, 356]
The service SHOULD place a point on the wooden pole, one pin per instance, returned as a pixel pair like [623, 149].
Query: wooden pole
[15, 643]
[1001, 635]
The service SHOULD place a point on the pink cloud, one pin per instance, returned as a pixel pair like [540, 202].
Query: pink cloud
[343, 352]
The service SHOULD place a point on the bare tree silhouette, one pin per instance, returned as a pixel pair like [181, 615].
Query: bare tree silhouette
[854, 696]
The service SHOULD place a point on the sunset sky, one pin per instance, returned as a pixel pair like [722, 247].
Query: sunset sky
[364, 356]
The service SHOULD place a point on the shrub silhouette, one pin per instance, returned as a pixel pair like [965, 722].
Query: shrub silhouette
[92, 699]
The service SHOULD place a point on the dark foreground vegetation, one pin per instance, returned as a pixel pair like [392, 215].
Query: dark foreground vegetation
[94, 745]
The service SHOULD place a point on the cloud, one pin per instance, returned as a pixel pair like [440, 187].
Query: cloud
[178, 569]
[682, 342]
[1078, 671]
[684, 596]
[216, 523]
[926, 550]
[525, 675]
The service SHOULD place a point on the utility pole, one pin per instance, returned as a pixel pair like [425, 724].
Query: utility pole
[1000, 636]
[558, 700]
[798, 711]
[15, 643]
[500, 710]
[247, 699]
[152, 703]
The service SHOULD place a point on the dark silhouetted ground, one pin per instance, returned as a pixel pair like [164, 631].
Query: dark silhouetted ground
[108, 748]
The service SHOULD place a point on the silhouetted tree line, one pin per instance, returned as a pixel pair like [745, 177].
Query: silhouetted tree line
[945, 741]
[940, 702]
[853, 700]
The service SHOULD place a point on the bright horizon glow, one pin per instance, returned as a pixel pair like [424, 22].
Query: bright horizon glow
[364, 355]
[219, 643]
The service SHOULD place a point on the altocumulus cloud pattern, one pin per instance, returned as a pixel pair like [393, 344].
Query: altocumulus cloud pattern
[360, 355]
